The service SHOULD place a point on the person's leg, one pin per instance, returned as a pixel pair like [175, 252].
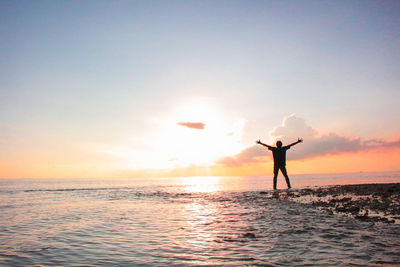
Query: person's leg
[276, 170]
[284, 172]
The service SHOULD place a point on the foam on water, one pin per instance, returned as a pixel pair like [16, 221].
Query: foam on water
[92, 224]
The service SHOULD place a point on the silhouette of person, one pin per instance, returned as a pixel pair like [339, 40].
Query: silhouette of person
[279, 153]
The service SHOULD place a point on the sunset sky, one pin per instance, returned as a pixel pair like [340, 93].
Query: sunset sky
[182, 88]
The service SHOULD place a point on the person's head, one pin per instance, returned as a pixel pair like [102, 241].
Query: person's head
[279, 144]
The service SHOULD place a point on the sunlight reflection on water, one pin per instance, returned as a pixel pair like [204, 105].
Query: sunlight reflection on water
[202, 184]
[193, 221]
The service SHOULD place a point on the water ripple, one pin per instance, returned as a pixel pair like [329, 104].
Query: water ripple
[125, 226]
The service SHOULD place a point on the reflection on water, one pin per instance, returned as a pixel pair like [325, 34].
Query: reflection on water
[197, 224]
[195, 221]
[202, 184]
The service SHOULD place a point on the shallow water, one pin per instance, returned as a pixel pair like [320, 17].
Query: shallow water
[193, 222]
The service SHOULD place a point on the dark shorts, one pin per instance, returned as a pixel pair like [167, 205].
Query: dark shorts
[279, 167]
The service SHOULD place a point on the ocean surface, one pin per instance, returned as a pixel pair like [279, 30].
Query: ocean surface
[185, 221]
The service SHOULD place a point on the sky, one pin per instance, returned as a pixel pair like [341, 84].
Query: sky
[183, 88]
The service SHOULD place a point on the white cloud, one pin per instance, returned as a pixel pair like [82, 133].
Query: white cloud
[315, 144]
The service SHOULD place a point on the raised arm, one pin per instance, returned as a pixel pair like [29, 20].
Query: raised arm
[295, 143]
[260, 143]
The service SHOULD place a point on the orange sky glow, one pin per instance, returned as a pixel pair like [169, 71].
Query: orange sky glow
[366, 161]
[210, 146]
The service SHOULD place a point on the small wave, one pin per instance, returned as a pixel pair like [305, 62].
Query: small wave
[72, 189]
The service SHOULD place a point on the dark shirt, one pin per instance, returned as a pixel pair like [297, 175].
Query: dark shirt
[279, 154]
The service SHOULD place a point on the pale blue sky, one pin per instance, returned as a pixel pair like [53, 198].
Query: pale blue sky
[106, 70]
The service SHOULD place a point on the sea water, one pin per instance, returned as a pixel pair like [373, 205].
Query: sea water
[184, 221]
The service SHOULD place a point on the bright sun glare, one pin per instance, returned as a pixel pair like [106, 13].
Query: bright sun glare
[176, 144]
[186, 146]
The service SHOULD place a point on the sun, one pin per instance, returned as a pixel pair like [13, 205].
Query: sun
[198, 133]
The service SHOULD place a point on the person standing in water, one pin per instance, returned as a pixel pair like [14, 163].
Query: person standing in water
[279, 153]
